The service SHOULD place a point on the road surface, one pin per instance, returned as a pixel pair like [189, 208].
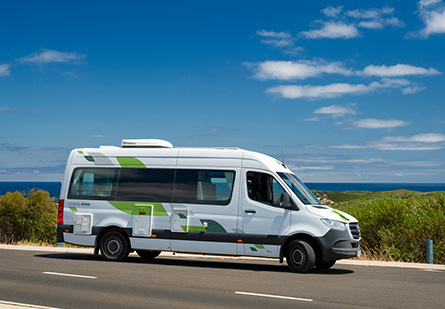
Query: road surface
[79, 280]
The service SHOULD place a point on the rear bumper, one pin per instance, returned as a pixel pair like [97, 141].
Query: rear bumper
[63, 228]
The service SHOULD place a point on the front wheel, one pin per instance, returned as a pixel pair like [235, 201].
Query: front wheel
[148, 254]
[114, 246]
[300, 256]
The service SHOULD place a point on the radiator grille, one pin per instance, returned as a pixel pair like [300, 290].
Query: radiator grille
[355, 230]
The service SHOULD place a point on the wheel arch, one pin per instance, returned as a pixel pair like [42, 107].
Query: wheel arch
[107, 229]
[313, 241]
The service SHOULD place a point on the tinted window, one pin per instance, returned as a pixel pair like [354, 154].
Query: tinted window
[203, 186]
[145, 185]
[89, 183]
[264, 188]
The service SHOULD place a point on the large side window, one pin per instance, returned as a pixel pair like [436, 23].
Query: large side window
[93, 183]
[264, 188]
[145, 185]
[203, 186]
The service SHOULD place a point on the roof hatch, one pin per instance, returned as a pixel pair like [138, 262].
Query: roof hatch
[145, 143]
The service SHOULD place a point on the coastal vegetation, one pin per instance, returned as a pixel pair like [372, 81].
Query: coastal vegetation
[395, 225]
[29, 217]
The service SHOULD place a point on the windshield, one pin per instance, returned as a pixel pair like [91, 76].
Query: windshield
[300, 190]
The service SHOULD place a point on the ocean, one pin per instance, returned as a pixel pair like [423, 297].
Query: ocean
[54, 187]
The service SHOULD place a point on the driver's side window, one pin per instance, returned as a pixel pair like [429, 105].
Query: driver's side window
[264, 188]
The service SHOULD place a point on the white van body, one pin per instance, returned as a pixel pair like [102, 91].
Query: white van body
[149, 196]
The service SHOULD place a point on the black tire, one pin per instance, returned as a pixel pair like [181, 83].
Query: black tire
[114, 246]
[148, 254]
[324, 264]
[300, 256]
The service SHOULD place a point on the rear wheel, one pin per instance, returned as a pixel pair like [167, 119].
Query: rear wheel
[114, 246]
[148, 254]
[300, 256]
[324, 264]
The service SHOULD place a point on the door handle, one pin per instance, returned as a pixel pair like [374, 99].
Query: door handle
[250, 211]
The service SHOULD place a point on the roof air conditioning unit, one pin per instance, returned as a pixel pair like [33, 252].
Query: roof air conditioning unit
[145, 143]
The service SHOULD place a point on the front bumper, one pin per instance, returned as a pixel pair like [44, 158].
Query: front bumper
[337, 245]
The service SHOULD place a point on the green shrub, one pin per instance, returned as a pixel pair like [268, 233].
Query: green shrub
[397, 228]
[28, 217]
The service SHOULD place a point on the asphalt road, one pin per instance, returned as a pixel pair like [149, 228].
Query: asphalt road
[178, 282]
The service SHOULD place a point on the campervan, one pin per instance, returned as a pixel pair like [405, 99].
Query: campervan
[148, 196]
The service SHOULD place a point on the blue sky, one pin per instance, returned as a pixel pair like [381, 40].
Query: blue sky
[351, 92]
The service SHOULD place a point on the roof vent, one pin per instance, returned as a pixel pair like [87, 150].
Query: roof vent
[145, 143]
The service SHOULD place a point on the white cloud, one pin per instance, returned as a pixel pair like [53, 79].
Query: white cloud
[302, 168]
[282, 40]
[4, 69]
[273, 34]
[49, 56]
[418, 142]
[372, 13]
[398, 70]
[314, 92]
[311, 119]
[335, 111]
[412, 89]
[432, 13]
[332, 30]
[370, 24]
[7, 109]
[333, 90]
[331, 11]
[375, 18]
[420, 138]
[379, 124]
[345, 26]
[289, 70]
[333, 159]
[382, 146]
[394, 82]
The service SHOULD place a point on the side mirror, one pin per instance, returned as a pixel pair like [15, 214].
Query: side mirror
[285, 201]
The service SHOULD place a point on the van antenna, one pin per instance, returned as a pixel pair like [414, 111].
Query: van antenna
[282, 155]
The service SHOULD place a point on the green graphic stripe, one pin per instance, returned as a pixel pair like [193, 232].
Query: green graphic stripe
[129, 208]
[253, 249]
[259, 246]
[193, 228]
[343, 217]
[81, 152]
[89, 158]
[130, 162]
[213, 226]
[73, 208]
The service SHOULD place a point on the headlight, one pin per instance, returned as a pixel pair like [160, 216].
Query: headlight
[333, 224]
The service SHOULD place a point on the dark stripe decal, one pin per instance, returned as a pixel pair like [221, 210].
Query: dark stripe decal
[201, 236]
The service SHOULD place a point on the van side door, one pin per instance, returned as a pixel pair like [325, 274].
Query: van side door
[205, 210]
[264, 221]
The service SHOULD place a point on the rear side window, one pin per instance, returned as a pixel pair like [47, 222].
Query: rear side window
[145, 185]
[97, 183]
[203, 186]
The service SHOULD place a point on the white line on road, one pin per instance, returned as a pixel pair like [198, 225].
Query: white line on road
[274, 296]
[68, 275]
[14, 304]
